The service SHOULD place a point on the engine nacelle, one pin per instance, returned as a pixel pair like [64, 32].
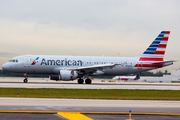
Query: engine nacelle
[65, 75]
[68, 75]
[54, 77]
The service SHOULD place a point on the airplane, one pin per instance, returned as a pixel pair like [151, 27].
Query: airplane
[127, 77]
[68, 68]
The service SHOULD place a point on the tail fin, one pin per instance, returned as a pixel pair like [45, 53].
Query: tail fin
[156, 51]
[137, 76]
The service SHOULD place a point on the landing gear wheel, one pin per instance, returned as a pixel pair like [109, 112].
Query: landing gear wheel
[25, 80]
[88, 81]
[80, 81]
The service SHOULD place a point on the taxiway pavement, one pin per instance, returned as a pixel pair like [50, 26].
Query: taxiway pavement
[42, 108]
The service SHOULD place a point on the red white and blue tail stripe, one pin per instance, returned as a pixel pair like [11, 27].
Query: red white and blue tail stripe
[156, 51]
[154, 54]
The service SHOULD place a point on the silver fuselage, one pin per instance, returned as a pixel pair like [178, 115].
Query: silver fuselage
[51, 64]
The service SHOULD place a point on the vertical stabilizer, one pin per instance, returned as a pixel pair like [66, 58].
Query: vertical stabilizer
[156, 51]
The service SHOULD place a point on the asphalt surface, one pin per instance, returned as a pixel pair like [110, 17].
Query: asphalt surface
[43, 104]
[96, 84]
[75, 105]
[30, 116]
[37, 116]
[134, 117]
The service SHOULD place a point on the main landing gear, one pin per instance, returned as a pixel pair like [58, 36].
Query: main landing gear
[26, 78]
[80, 81]
[87, 81]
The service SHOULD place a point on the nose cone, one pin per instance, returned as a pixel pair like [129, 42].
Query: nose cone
[5, 67]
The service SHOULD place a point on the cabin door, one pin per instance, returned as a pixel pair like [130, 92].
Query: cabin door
[27, 61]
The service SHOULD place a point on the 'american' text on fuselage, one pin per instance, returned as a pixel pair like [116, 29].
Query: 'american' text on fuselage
[61, 62]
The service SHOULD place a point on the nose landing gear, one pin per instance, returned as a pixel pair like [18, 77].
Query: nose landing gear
[26, 78]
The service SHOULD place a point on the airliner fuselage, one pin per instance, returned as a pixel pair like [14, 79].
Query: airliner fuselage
[73, 67]
[52, 64]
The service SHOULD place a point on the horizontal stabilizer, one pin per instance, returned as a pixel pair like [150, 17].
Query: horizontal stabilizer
[162, 62]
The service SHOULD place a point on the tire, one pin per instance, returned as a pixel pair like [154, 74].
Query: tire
[88, 81]
[80, 81]
[25, 80]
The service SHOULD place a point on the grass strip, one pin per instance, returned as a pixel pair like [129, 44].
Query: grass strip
[110, 94]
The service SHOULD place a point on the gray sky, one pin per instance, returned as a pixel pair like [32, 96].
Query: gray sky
[87, 27]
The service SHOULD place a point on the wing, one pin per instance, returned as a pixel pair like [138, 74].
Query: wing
[92, 69]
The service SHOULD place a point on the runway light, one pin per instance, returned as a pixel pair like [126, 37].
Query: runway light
[17, 94]
[130, 115]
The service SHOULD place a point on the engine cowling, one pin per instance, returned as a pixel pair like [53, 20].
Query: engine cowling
[65, 75]
[54, 77]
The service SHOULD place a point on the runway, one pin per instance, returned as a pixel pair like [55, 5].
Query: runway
[96, 84]
[93, 109]
[116, 107]
[79, 105]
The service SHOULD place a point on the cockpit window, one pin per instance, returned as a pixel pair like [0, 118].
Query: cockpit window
[13, 60]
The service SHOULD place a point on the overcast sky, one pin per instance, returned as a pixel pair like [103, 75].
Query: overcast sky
[87, 27]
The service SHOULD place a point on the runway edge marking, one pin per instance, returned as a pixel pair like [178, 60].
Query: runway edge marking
[135, 113]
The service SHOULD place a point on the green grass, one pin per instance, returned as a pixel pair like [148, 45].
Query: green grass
[113, 94]
[175, 81]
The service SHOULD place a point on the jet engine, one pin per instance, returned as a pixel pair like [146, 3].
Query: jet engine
[54, 77]
[68, 74]
[65, 75]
